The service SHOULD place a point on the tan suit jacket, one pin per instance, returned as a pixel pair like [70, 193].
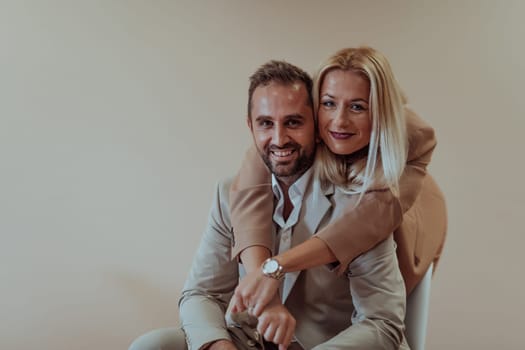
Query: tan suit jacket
[418, 216]
[362, 309]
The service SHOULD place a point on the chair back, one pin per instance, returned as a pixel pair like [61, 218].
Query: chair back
[416, 318]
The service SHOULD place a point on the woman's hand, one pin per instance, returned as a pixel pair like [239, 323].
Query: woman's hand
[254, 292]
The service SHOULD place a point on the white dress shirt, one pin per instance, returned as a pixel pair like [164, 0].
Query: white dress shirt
[284, 228]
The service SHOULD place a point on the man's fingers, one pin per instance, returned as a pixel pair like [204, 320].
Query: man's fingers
[285, 332]
[290, 331]
[257, 310]
[280, 335]
[269, 334]
[262, 324]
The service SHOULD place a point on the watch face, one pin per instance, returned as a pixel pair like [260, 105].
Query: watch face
[271, 266]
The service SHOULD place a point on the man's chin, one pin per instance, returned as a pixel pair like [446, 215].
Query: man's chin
[284, 171]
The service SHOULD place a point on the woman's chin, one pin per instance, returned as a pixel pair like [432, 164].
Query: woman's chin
[341, 150]
[345, 148]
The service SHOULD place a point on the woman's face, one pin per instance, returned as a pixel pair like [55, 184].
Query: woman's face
[344, 113]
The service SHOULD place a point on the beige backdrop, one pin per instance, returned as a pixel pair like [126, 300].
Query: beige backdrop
[117, 118]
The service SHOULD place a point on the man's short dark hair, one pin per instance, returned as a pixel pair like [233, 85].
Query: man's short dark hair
[280, 72]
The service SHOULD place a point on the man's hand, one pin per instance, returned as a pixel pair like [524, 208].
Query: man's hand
[276, 324]
[254, 292]
[222, 344]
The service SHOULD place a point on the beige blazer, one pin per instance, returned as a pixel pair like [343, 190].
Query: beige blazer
[362, 309]
[418, 216]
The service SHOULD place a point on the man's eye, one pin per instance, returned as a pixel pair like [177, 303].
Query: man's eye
[294, 123]
[265, 123]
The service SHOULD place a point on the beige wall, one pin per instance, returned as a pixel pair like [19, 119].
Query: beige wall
[117, 118]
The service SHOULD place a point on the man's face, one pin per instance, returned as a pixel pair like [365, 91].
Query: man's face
[283, 129]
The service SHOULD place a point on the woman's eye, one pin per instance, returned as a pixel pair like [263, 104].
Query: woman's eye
[356, 107]
[328, 103]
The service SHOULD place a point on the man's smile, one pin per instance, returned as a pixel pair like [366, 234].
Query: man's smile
[283, 155]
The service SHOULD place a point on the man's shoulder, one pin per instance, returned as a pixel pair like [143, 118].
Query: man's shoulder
[223, 187]
[219, 212]
[221, 202]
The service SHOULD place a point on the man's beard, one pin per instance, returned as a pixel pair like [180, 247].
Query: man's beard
[292, 169]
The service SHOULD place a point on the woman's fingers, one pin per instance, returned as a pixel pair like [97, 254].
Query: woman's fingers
[255, 290]
[237, 303]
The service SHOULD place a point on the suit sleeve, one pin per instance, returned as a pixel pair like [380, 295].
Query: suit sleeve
[211, 281]
[378, 295]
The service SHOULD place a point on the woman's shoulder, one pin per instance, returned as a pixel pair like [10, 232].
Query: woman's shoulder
[421, 136]
[415, 123]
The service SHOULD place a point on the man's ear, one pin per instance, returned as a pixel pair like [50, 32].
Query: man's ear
[249, 122]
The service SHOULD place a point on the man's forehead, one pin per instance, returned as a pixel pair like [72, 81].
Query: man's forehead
[290, 92]
[296, 86]
[279, 100]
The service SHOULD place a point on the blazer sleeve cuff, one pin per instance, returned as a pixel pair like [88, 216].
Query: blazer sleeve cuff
[202, 321]
[251, 217]
[249, 238]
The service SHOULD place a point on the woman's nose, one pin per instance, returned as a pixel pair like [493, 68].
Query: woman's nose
[340, 118]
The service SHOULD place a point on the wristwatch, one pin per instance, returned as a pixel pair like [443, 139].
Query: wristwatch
[271, 268]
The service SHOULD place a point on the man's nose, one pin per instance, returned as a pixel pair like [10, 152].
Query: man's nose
[280, 136]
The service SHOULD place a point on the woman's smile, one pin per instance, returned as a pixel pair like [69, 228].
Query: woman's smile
[341, 135]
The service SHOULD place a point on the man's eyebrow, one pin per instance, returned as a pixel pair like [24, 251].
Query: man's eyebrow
[295, 116]
[262, 117]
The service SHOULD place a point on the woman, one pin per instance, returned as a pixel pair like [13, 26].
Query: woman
[376, 149]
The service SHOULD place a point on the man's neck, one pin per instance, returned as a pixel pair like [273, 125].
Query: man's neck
[285, 182]
[288, 206]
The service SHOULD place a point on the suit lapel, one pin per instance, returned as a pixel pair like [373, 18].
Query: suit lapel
[313, 209]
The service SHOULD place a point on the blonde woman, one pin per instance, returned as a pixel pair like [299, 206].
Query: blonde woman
[375, 148]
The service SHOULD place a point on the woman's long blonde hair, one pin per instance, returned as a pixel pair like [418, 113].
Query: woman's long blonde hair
[379, 165]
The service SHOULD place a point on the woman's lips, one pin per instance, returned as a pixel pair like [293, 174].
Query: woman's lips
[341, 135]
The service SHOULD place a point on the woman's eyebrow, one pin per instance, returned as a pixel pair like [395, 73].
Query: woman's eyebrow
[359, 99]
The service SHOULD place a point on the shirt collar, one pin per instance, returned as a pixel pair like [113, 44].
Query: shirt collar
[298, 188]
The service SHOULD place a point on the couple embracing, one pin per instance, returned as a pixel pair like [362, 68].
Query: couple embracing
[330, 223]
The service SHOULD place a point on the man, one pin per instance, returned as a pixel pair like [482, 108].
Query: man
[363, 309]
